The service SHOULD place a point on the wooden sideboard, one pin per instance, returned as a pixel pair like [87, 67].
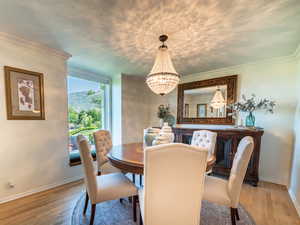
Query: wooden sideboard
[226, 147]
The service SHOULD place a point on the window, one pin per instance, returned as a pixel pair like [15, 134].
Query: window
[87, 111]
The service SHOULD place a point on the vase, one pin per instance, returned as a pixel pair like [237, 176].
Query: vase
[149, 135]
[165, 136]
[250, 120]
[161, 122]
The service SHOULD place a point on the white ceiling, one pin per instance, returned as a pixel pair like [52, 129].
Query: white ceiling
[114, 36]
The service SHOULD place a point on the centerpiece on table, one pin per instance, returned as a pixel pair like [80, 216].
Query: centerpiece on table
[165, 115]
[249, 106]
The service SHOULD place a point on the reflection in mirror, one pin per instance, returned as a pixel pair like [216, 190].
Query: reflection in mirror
[206, 102]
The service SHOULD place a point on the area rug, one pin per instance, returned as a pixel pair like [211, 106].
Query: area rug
[116, 213]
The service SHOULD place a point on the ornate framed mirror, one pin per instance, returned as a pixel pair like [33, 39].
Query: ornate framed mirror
[206, 101]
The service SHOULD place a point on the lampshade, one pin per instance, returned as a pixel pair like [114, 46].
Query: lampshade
[163, 78]
[218, 100]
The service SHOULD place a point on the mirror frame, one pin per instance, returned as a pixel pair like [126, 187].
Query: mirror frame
[230, 81]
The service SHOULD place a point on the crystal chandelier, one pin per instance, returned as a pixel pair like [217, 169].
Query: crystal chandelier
[163, 78]
[218, 100]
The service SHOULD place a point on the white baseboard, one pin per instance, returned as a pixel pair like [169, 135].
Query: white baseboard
[294, 199]
[40, 189]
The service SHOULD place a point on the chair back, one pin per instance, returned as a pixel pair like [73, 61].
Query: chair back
[174, 183]
[88, 167]
[205, 139]
[103, 145]
[239, 169]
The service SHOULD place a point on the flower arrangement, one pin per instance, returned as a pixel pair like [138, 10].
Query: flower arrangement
[250, 105]
[165, 115]
[163, 111]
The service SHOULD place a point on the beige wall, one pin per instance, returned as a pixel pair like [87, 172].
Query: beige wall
[135, 108]
[295, 172]
[34, 154]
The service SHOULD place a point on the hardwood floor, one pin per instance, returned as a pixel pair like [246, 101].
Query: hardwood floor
[269, 204]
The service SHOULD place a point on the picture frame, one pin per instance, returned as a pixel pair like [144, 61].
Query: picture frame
[186, 110]
[24, 94]
[201, 110]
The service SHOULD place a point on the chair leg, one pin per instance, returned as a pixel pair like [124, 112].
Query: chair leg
[86, 203]
[140, 217]
[237, 214]
[232, 211]
[93, 214]
[134, 207]
[141, 180]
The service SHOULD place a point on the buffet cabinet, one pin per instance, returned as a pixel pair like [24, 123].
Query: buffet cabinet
[226, 147]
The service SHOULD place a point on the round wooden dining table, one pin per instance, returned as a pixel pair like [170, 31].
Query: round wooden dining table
[129, 158]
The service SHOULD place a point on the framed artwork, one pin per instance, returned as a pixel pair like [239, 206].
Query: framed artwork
[24, 94]
[186, 110]
[201, 110]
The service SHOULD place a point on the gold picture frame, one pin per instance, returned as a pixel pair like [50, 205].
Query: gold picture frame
[24, 94]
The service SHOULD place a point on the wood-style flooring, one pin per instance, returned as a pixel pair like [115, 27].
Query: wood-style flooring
[269, 204]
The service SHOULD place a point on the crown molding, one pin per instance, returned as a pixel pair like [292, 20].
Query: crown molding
[88, 75]
[17, 40]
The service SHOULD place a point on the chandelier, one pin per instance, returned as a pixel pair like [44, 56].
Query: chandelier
[218, 100]
[163, 78]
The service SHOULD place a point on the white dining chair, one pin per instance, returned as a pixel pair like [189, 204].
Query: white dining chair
[205, 139]
[105, 187]
[227, 192]
[103, 144]
[174, 180]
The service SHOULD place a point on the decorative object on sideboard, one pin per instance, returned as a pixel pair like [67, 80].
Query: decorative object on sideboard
[249, 106]
[163, 78]
[149, 135]
[165, 135]
[24, 94]
[165, 115]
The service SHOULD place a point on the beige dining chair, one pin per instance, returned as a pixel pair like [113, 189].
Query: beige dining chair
[205, 139]
[227, 192]
[174, 181]
[105, 187]
[103, 144]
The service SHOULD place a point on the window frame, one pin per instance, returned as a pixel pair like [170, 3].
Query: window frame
[107, 103]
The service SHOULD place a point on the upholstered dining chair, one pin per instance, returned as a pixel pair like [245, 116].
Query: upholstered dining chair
[105, 187]
[103, 144]
[225, 192]
[205, 139]
[173, 187]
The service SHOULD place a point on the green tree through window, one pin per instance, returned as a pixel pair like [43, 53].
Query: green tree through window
[86, 112]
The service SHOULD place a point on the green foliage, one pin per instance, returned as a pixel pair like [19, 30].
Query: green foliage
[250, 105]
[163, 111]
[73, 115]
[85, 112]
[91, 92]
[165, 114]
[80, 129]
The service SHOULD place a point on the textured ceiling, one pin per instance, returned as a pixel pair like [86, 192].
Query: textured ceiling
[112, 36]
